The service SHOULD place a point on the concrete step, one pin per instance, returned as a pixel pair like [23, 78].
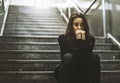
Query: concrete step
[36, 54]
[113, 64]
[40, 39]
[27, 77]
[34, 19]
[30, 9]
[45, 46]
[49, 26]
[47, 77]
[6, 55]
[37, 25]
[47, 65]
[24, 15]
[42, 55]
[28, 65]
[40, 12]
[32, 29]
[28, 38]
[37, 21]
[32, 33]
[112, 76]
[34, 11]
[35, 30]
[49, 54]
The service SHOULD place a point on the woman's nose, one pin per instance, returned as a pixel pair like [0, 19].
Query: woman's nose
[79, 27]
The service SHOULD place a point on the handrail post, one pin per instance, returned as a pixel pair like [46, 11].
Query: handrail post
[104, 18]
[62, 14]
[5, 17]
[69, 12]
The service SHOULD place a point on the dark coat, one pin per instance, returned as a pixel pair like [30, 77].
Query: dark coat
[78, 70]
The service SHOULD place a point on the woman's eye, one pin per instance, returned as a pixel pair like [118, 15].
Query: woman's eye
[76, 24]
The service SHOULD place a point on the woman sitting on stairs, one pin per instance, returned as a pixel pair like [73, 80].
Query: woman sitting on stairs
[78, 62]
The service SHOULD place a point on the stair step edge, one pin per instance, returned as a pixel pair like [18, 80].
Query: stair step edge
[55, 61]
[53, 43]
[53, 51]
[48, 72]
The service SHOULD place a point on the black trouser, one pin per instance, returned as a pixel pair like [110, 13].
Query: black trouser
[63, 72]
[64, 68]
[94, 68]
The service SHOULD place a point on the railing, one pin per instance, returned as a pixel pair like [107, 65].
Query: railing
[104, 19]
[6, 8]
[113, 39]
[74, 5]
[62, 14]
[69, 12]
[90, 7]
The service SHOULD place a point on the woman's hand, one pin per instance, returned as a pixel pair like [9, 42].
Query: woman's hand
[80, 34]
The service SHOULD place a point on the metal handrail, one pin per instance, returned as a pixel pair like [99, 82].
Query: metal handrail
[62, 14]
[113, 39]
[85, 12]
[90, 7]
[76, 4]
[5, 17]
[78, 9]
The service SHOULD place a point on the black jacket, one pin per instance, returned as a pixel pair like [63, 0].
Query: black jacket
[81, 53]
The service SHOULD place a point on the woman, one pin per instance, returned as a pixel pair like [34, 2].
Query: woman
[78, 63]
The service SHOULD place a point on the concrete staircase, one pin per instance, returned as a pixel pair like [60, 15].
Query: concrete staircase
[29, 49]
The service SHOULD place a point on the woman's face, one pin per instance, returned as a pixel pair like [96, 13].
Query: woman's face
[78, 24]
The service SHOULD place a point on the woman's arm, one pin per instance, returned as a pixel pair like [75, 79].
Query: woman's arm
[63, 45]
[84, 45]
[92, 43]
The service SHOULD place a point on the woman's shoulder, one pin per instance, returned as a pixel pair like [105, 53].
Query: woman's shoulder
[61, 37]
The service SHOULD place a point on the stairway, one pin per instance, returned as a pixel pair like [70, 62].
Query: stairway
[29, 50]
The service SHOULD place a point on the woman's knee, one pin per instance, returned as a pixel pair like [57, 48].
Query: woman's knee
[67, 57]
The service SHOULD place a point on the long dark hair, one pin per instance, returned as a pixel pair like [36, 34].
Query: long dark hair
[70, 31]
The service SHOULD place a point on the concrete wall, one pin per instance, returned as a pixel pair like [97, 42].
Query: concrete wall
[115, 18]
[1, 15]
